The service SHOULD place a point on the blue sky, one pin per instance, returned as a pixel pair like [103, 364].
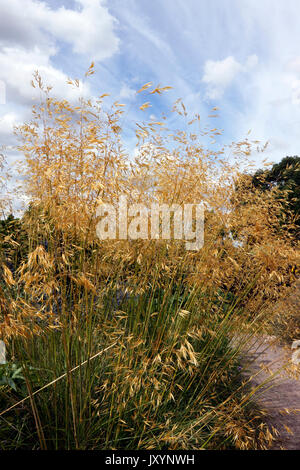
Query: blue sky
[240, 55]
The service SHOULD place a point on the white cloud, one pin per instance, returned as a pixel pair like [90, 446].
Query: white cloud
[251, 62]
[7, 121]
[2, 92]
[127, 92]
[31, 34]
[271, 109]
[219, 75]
[296, 92]
[294, 65]
[291, 79]
[89, 30]
[16, 68]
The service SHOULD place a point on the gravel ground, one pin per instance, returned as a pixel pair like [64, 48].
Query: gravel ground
[269, 366]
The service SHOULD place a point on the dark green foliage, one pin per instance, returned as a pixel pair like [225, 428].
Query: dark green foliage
[285, 176]
[13, 242]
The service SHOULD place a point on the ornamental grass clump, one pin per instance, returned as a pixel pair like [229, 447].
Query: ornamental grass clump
[135, 344]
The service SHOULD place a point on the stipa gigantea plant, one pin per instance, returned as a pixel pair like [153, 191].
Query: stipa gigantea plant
[163, 317]
[158, 386]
